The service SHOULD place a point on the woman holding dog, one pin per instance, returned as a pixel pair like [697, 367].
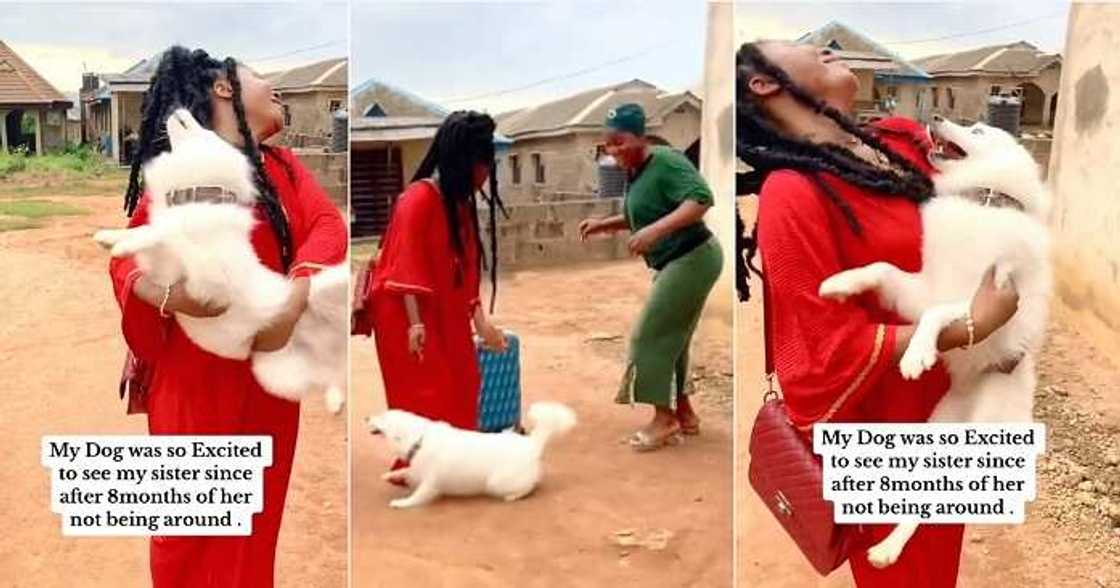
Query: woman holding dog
[422, 298]
[190, 391]
[835, 196]
[666, 199]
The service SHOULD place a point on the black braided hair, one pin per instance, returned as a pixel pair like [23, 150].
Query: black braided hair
[466, 138]
[184, 79]
[762, 146]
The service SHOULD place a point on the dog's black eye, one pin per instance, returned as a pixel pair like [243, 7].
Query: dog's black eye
[978, 131]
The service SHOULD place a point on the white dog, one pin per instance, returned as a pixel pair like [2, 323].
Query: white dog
[444, 460]
[200, 219]
[990, 210]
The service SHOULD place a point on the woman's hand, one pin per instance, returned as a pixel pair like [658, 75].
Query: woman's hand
[589, 227]
[492, 337]
[177, 299]
[642, 241]
[992, 306]
[275, 336]
[416, 337]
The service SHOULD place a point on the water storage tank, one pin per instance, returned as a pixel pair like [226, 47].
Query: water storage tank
[612, 178]
[340, 125]
[1004, 112]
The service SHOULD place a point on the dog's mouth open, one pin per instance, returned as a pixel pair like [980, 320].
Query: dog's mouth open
[943, 148]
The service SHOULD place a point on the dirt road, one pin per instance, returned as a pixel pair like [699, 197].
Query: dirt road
[1069, 539]
[594, 486]
[60, 356]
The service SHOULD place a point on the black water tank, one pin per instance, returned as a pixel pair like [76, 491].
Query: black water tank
[612, 179]
[1004, 112]
[340, 125]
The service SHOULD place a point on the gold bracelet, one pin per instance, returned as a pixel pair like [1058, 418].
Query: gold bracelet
[166, 296]
[971, 326]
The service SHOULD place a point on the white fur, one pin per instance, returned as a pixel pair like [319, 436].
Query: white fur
[454, 462]
[207, 247]
[961, 240]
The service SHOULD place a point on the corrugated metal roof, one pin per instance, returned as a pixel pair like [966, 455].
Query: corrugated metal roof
[329, 73]
[836, 34]
[21, 84]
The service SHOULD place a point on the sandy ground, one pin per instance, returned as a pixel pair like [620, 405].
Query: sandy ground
[1068, 539]
[60, 356]
[594, 486]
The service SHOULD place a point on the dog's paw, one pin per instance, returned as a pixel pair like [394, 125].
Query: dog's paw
[917, 360]
[840, 286]
[107, 238]
[335, 400]
[400, 503]
[884, 554]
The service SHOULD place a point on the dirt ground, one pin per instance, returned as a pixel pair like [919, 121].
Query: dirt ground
[60, 356]
[1072, 534]
[573, 324]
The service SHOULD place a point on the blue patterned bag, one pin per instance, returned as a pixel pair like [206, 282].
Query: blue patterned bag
[499, 402]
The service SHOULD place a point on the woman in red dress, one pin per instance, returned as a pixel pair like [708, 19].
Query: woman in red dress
[191, 391]
[424, 292]
[838, 196]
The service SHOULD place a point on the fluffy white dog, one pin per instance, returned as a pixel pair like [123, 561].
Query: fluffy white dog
[444, 460]
[990, 210]
[200, 219]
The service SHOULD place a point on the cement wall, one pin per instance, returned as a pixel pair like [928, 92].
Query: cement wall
[332, 170]
[1085, 164]
[546, 234]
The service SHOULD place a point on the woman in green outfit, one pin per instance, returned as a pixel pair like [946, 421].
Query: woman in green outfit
[666, 199]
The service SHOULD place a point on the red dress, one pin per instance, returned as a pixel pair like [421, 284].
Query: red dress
[833, 359]
[417, 258]
[195, 392]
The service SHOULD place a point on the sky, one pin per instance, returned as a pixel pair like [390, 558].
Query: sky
[482, 55]
[61, 40]
[914, 29]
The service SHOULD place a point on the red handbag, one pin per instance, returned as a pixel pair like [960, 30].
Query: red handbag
[787, 476]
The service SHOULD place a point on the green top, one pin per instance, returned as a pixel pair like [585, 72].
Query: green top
[666, 180]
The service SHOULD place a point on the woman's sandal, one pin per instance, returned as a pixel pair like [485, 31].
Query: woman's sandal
[642, 441]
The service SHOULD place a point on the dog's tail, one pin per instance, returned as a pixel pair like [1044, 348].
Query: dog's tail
[547, 419]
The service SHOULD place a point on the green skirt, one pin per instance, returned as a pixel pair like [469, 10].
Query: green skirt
[657, 369]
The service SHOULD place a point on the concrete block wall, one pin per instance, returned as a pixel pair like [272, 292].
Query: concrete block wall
[544, 234]
[332, 170]
[1040, 150]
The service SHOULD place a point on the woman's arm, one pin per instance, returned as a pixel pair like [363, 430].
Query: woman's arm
[689, 212]
[607, 224]
[275, 336]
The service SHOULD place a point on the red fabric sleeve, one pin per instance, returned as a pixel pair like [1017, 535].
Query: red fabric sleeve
[828, 355]
[318, 228]
[144, 329]
[405, 264]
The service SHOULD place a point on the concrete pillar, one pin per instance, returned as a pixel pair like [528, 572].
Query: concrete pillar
[1046, 109]
[717, 140]
[38, 132]
[3, 131]
[115, 125]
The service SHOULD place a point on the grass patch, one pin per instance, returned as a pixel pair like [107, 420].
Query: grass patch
[15, 223]
[111, 183]
[37, 209]
[73, 161]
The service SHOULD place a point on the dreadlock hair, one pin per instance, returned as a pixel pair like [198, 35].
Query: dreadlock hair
[762, 146]
[465, 139]
[183, 79]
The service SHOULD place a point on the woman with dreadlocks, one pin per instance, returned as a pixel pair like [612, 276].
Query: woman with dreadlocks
[424, 292]
[192, 391]
[666, 200]
[837, 196]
